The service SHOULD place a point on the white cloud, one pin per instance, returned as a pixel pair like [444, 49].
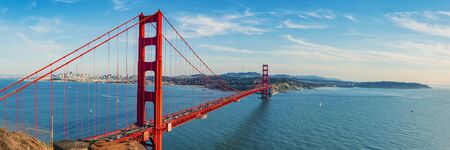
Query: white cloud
[316, 14]
[207, 25]
[322, 52]
[227, 49]
[403, 60]
[44, 46]
[252, 21]
[248, 13]
[32, 4]
[245, 14]
[305, 44]
[3, 10]
[351, 18]
[430, 15]
[407, 20]
[414, 54]
[35, 37]
[120, 5]
[317, 19]
[43, 25]
[123, 5]
[320, 14]
[288, 24]
[15, 46]
[447, 13]
[67, 1]
[428, 48]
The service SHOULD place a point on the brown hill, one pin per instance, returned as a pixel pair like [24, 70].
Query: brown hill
[19, 140]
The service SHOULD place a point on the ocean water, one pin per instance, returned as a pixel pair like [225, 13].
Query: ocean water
[323, 118]
[349, 118]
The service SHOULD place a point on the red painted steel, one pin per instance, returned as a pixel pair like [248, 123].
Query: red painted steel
[157, 138]
[155, 66]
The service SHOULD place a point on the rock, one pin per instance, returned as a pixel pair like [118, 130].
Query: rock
[71, 145]
[19, 140]
[127, 145]
[282, 87]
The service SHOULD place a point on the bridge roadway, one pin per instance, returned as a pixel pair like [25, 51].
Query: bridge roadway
[172, 120]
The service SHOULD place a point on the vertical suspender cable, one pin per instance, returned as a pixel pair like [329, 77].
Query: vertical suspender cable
[108, 93]
[51, 97]
[21, 109]
[76, 99]
[35, 108]
[82, 97]
[65, 103]
[88, 95]
[171, 63]
[17, 109]
[126, 73]
[135, 62]
[117, 82]
[5, 115]
[95, 95]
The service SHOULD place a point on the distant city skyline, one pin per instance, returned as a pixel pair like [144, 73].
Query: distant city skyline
[374, 40]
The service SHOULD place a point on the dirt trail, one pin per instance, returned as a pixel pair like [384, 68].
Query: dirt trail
[20, 141]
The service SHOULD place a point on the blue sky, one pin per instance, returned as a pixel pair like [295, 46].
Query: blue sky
[368, 40]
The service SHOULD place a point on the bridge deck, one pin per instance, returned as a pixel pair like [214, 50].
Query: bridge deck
[173, 120]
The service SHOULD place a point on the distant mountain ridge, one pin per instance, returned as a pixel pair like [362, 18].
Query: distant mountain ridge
[391, 85]
[301, 77]
[242, 74]
[318, 81]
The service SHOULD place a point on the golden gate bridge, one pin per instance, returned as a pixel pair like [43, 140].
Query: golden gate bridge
[134, 61]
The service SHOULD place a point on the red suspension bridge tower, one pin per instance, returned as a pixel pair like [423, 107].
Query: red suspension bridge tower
[266, 93]
[155, 66]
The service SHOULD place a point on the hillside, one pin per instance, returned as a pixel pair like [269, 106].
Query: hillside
[391, 85]
[19, 140]
[283, 82]
[281, 87]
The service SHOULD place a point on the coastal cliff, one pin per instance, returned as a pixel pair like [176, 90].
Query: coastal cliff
[282, 87]
[13, 140]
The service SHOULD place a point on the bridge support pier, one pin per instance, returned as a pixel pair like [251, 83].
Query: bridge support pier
[154, 96]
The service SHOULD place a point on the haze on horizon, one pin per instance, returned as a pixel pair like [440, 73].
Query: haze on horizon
[374, 40]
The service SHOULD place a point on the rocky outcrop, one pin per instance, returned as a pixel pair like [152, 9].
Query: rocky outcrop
[127, 145]
[281, 87]
[19, 140]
